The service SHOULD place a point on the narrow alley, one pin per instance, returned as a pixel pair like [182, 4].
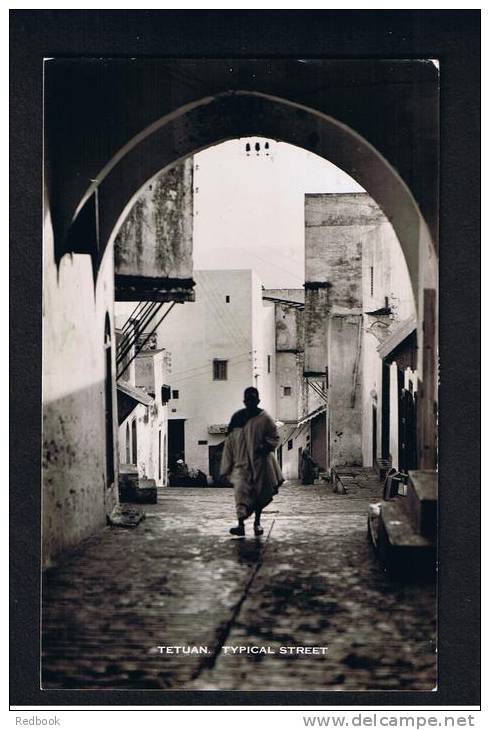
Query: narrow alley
[179, 580]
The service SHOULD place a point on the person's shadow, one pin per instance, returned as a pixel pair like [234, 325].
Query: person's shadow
[248, 550]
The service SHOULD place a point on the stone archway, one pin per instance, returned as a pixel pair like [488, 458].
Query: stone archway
[240, 114]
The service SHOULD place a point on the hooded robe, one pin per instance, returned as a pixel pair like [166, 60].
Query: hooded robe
[248, 460]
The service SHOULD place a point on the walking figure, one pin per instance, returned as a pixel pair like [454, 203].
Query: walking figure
[249, 462]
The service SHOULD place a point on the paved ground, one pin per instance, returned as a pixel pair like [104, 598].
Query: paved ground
[179, 579]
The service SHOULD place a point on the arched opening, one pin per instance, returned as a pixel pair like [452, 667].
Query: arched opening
[247, 114]
[336, 202]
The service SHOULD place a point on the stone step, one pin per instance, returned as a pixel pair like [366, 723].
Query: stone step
[404, 552]
[421, 502]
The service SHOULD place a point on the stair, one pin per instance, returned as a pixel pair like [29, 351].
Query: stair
[322, 477]
[406, 529]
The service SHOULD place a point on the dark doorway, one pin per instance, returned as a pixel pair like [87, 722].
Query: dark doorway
[407, 452]
[385, 412]
[215, 453]
[176, 441]
[319, 440]
[109, 416]
[134, 441]
[375, 434]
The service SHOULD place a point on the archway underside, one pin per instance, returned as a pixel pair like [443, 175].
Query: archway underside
[235, 115]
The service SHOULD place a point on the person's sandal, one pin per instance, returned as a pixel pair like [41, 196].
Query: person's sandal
[258, 530]
[239, 530]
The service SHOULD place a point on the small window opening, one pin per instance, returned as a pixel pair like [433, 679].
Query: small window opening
[257, 147]
[290, 444]
[371, 269]
[287, 390]
[268, 363]
[227, 298]
[175, 394]
[247, 147]
[220, 369]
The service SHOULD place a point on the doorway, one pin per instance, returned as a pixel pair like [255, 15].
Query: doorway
[215, 453]
[176, 442]
[319, 440]
[407, 439]
[375, 434]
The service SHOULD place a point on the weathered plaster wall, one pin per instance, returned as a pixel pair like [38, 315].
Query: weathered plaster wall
[372, 392]
[351, 247]
[287, 338]
[264, 347]
[316, 329]
[345, 391]
[290, 457]
[150, 374]
[150, 421]
[145, 371]
[75, 493]
[289, 373]
[386, 281]
[156, 238]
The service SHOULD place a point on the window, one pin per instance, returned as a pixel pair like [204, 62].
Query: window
[175, 395]
[372, 279]
[227, 298]
[268, 363]
[290, 444]
[287, 390]
[220, 369]
[202, 443]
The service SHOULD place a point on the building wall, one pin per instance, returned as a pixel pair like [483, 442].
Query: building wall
[150, 422]
[156, 238]
[75, 493]
[316, 328]
[264, 346]
[345, 390]
[149, 374]
[385, 282]
[352, 250]
[300, 438]
[289, 374]
[210, 327]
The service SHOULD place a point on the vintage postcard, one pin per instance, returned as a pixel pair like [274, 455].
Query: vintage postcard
[240, 284]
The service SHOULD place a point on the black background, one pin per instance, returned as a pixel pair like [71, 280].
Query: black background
[453, 37]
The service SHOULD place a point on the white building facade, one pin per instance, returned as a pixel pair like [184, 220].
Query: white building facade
[219, 345]
[358, 299]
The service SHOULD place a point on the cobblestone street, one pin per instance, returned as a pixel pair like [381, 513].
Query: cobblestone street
[179, 579]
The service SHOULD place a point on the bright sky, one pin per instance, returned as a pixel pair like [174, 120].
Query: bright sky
[249, 208]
